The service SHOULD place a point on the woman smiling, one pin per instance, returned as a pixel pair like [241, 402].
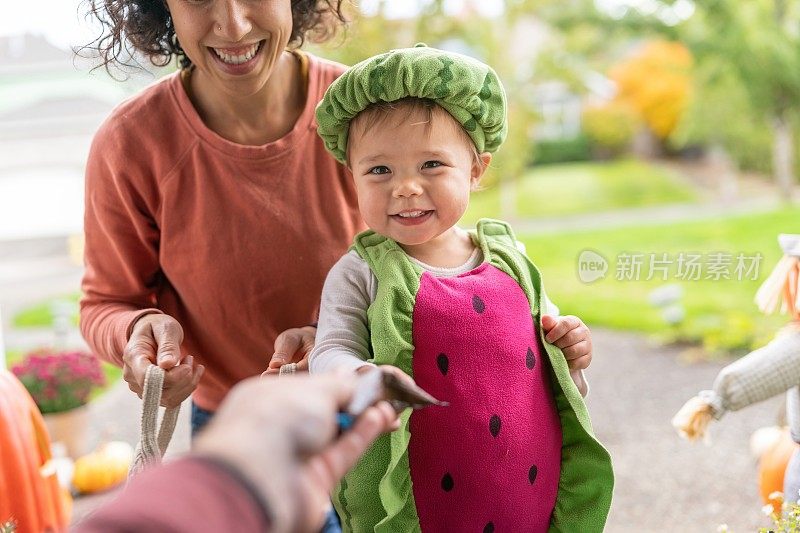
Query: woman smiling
[213, 212]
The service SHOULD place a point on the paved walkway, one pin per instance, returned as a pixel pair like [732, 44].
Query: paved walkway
[754, 194]
[663, 483]
[644, 216]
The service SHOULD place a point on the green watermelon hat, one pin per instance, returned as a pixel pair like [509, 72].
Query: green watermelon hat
[466, 88]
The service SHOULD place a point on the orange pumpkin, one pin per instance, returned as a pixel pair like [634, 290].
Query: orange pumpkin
[772, 467]
[33, 500]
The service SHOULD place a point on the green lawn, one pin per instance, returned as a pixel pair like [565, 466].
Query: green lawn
[725, 305]
[574, 188]
[40, 314]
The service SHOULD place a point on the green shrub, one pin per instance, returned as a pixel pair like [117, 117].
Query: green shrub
[750, 146]
[610, 128]
[562, 151]
[722, 112]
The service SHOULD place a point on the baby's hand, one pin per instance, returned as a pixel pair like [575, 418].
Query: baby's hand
[573, 337]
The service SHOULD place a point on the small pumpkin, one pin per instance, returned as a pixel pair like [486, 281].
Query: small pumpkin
[104, 468]
[772, 468]
[29, 494]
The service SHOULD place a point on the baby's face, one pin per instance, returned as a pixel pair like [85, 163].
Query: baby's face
[413, 179]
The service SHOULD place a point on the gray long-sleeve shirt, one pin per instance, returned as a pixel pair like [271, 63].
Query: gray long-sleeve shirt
[343, 338]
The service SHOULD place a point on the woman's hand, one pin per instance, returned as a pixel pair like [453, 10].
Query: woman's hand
[156, 339]
[292, 346]
[282, 436]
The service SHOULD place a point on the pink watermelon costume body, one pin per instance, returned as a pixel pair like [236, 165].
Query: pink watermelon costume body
[514, 451]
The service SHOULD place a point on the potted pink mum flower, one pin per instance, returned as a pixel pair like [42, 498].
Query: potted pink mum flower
[61, 384]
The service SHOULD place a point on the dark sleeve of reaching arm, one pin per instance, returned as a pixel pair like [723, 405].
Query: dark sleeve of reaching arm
[188, 495]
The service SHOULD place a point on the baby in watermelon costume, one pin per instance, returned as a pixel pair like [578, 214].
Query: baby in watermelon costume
[460, 312]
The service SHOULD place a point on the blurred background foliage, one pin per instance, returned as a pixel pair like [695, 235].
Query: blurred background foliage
[656, 126]
[590, 76]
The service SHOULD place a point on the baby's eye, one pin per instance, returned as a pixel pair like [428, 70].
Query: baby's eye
[431, 164]
[380, 169]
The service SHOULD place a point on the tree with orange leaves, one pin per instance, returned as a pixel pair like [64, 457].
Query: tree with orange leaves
[656, 81]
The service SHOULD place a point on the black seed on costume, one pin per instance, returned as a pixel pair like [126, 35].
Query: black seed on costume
[530, 359]
[488, 528]
[532, 474]
[494, 425]
[477, 304]
[447, 483]
[443, 363]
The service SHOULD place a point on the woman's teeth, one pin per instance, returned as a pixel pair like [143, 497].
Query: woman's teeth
[243, 56]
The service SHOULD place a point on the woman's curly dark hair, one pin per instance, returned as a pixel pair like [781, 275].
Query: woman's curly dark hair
[145, 26]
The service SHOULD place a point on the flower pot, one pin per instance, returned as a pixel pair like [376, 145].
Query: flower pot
[70, 428]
